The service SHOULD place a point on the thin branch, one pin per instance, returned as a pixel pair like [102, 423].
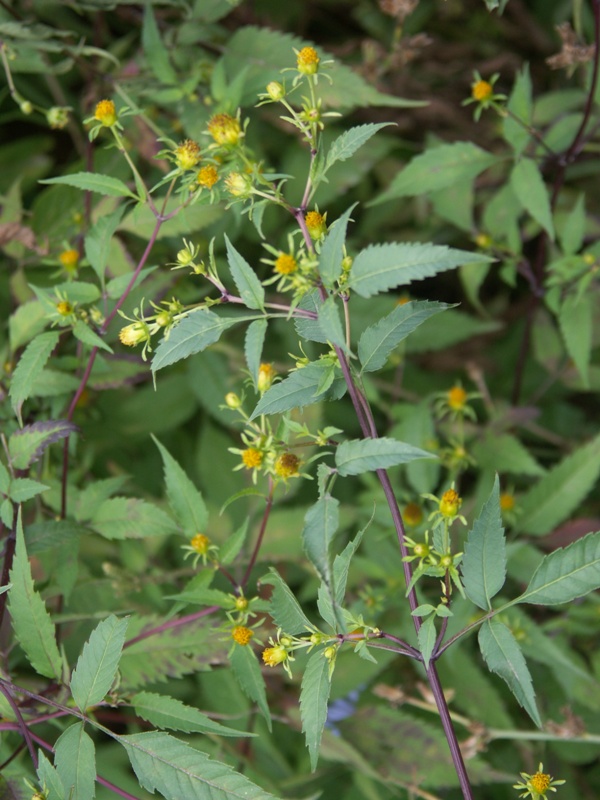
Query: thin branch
[25, 732]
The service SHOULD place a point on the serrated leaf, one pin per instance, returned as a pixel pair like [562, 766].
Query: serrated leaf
[23, 489]
[516, 131]
[28, 444]
[192, 335]
[503, 656]
[309, 328]
[75, 761]
[331, 324]
[320, 526]
[527, 183]
[341, 567]
[301, 388]
[184, 498]
[504, 453]
[155, 51]
[566, 574]
[167, 712]
[427, 636]
[332, 249]
[131, 518]
[576, 319]
[284, 608]
[351, 140]
[233, 544]
[97, 241]
[30, 366]
[560, 491]
[86, 335]
[164, 764]
[253, 346]
[437, 169]
[314, 696]
[94, 182]
[378, 268]
[50, 533]
[355, 456]
[31, 621]
[97, 665]
[249, 676]
[377, 341]
[248, 285]
[49, 778]
[484, 562]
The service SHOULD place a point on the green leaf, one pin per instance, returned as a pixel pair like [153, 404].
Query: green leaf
[98, 239]
[527, 183]
[300, 388]
[437, 169]
[520, 105]
[560, 491]
[504, 657]
[30, 366]
[192, 335]
[309, 328]
[51, 533]
[576, 319]
[233, 544]
[155, 51]
[355, 456]
[484, 562]
[253, 346]
[164, 764]
[31, 622]
[504, 453]
[94, 182]
[25, 322]
[97, 665]
[23, 489]
[378, 341]
[328, 606]
[314, 695]
[49, 778]
[186, 501]
[332, 249]
[131, 518]
[566, 574]
[350, 141]
[28, 444]
[75, 761]
[320, 526]
[250, 288]
[572, 231]
[86, 335]
[284, 608]
[380, 267]
[331, 324]
[167, 712]
[427, 636]
[249, 676]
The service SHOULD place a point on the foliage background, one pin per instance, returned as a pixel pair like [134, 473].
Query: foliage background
[534, 409]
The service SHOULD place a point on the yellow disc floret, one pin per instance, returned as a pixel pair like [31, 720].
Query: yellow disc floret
[266, 374]
[106, 113]
[187, 155]
[457, 397]
[286, 466]
[207, 176]
[69, 259]
[450, 503]
[285, 264]
[252, 458]
[315, 224]
[507, 501]
[308, 61]
[225, 129]
[200, 543]
[242, 635]
[481, 90]
[273, 656]
[412, 514]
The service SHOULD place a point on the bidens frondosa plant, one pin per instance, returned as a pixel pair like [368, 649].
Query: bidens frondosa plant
[319, 445]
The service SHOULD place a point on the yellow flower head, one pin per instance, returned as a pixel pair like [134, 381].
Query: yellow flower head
[286, 466]
[275, 91]
[106, 113]
[242, 635]
[412, 514]
[316, 224]
[285, 264]
[232, 400]
[225, 129]
[457, 398]
[133, 334]
[266, 374]
[238, 184]
[507, 501]
[538, 785]
[207, 176]
[200, 544]
[252, 458]
[187, 155]
[273, 656]
[308, 61]
[481, 90]
[450, 503]
[65, 308]
[69, 259]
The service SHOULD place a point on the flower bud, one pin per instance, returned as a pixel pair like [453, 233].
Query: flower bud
[232, 401]
[106, 113]
[57, 117]
[275, 91]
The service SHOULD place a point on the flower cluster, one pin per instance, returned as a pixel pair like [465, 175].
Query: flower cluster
[142, 327]
[538, 785]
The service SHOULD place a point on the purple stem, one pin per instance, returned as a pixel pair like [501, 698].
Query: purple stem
[25, 732]
[261, 533]
[172, 623]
